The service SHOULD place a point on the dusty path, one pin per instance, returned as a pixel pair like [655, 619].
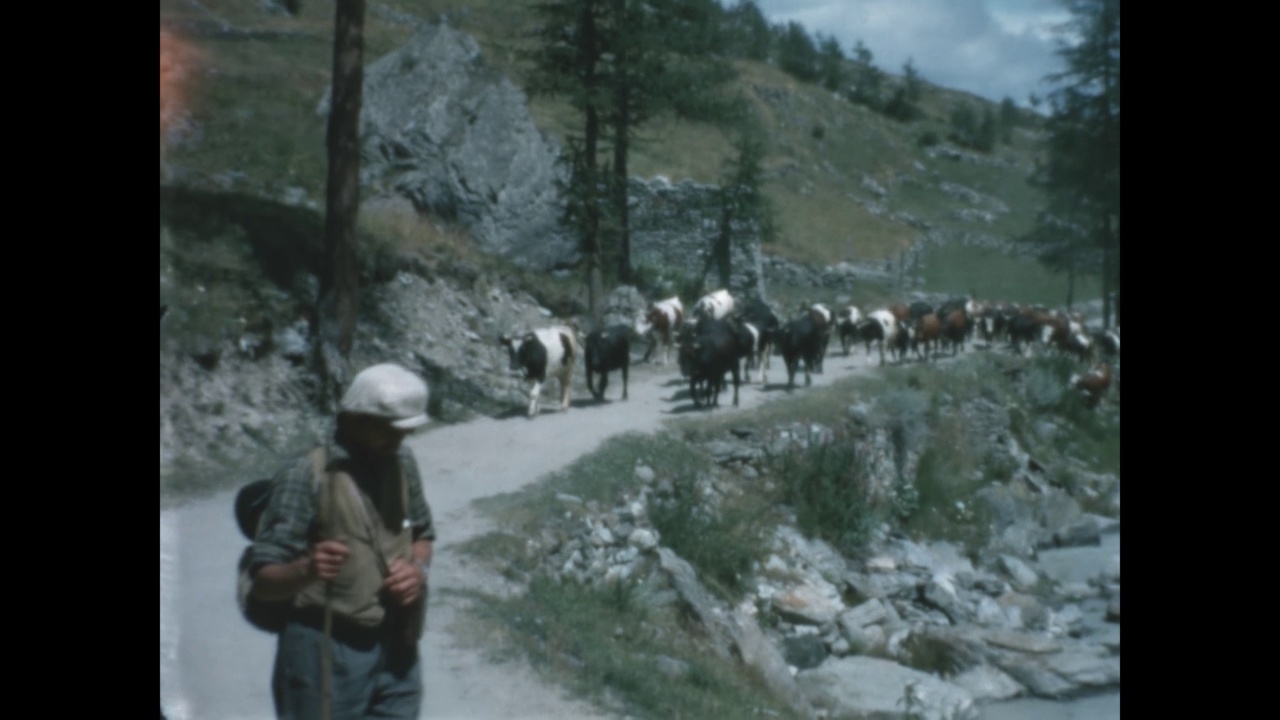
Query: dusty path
[215, 666]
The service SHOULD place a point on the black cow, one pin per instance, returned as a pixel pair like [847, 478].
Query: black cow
[801, 341]
[716, 348]
[918, 310]
[607, 350]
[1023, 329]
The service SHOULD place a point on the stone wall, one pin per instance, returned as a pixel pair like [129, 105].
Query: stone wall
[674, 227]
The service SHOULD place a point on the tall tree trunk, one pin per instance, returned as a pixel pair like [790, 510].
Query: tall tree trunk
[590, 50]
[595, 276]
[1110, 11]
[621, 142]
[1106, 272]
[338, 301]
[1071, 284]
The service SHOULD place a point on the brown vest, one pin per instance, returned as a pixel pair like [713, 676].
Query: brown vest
[374, 534]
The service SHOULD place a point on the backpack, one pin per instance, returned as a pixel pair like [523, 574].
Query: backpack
[251, 501]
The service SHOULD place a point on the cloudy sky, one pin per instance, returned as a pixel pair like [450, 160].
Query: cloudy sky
[992, 48]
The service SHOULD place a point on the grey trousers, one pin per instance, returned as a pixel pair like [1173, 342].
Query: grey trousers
[368, 680]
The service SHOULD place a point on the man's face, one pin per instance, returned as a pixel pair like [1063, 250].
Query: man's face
[375, 435]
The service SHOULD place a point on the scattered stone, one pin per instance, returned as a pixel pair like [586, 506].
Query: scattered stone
[1022, 642]
[1113, 609]
[857, 686]
[985, 683]
[643, 538]
[673, 668]
[868, 613]
[804, 651]
[881, 564]
[1023, 577]
[808, 604]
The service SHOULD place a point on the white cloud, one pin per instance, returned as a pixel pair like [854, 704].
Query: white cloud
[992, 48]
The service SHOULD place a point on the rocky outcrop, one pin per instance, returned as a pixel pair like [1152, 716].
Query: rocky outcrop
[858, 632]
[441, 127]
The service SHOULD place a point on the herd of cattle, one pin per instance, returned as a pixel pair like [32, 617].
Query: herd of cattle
[719, 338]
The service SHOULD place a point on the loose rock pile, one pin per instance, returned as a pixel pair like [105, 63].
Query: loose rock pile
[844, 633]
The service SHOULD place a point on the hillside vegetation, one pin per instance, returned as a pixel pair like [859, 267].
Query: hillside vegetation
[846, 182]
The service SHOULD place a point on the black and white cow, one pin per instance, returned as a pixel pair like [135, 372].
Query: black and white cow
[660, 324]
[825, 321]
[847, 325]
[537, 354]
[759, 316]
[1107, 343]
[607, 350]
[879, 327]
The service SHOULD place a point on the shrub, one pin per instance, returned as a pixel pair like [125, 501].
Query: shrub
[826, 484]
[720, 540]
[1043, 387]
[948, 476]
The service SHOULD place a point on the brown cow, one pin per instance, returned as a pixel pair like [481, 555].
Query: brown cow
[955, 329]
[1093, 384]
[928, 333]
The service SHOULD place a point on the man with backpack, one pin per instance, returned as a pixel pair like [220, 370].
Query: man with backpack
[342, 550]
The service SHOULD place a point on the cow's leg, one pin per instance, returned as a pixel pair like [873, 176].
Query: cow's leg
[604, 380]
[564, 390]
[735, 384]
[591, 386]
[533, 397]
[625, 363]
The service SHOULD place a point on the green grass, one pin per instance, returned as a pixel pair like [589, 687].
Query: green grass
[721, 543]
[600, 476]
[1089, 434]
[253, 93]
[604, 643]
[987, 273]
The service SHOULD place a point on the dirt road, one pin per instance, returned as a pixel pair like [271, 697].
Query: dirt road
[215, 666]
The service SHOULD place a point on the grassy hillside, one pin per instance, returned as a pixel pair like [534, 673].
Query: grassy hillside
[256, 78]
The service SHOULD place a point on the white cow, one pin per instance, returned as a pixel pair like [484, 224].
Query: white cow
[717, 305]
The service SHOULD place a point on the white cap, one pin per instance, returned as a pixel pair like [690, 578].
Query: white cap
[388, 391]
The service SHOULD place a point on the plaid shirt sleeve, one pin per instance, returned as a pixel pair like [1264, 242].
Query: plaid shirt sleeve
[419, 510]
[287, 520]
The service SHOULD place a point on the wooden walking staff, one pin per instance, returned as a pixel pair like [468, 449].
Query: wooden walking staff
[326, 653]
